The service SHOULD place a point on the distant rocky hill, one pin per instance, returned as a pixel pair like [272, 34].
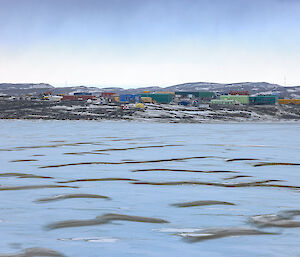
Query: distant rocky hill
[23, 89]
[254, 88]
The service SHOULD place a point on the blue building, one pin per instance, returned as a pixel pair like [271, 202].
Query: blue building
[129, 98]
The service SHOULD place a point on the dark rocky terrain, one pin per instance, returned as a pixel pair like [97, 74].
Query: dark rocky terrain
[26, 109]
[68, 110]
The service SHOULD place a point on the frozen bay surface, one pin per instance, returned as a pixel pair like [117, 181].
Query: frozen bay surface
[180, 173]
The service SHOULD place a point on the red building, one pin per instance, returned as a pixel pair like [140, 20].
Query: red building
[77, 97]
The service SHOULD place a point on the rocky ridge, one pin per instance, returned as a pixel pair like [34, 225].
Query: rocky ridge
[254, 88]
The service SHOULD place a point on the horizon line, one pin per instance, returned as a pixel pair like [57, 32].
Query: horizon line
[59, 85]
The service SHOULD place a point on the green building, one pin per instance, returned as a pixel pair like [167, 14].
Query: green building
[263, 99]
[243, 99]
[223, 102]
[159, 98]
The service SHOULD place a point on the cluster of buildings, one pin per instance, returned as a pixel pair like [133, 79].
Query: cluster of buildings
[184, 98]
[243, 97]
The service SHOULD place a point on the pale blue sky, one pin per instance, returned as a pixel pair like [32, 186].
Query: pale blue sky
[134, 43]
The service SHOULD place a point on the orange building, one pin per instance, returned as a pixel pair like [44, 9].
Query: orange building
[288, 101]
